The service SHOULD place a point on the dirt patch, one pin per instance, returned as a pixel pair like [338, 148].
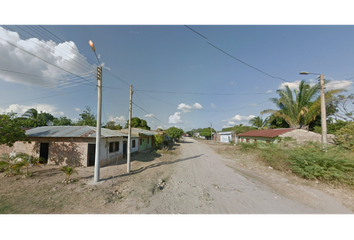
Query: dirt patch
[117, 191]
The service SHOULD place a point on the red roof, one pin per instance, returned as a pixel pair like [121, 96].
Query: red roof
[270, 133]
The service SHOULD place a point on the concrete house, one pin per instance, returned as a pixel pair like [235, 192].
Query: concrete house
[71, 145]
[141, 139]
[226, 137]
[269, 135]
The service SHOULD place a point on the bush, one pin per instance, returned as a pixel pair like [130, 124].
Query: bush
[345, 136]
[158, 140]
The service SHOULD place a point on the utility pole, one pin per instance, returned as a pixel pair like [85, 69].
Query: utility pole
[323, 112]
[211, 131]
[99, 111]
[98, 128]
[130, 128]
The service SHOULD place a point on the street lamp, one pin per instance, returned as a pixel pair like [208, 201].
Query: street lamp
[323, 107]
[99, 111]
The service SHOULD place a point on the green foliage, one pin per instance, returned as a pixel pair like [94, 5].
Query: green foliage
[309, 162]
[158, 139]
[87, 118]
[10, 130]
[175, 133]
[31, 118]
[332, 128]
[206, 132]
[345, 136]
[302, 108]
[259, 123]
[9, 165]
[111, 125]
[239, 129]
[62, 121]
[26, 162]
[344, 106]
[138, 123]
[68, 171]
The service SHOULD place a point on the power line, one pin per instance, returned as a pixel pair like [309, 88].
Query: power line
[42, 59]
[196, 93]
[148, 113]
[269, 75]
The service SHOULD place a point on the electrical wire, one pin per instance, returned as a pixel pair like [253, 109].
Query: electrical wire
[148, 113]
[195, 93]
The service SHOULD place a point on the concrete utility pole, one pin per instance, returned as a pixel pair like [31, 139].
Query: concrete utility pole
[323, 108]
[130, 128]
[99, 111]
[323, 112]
[98, 131]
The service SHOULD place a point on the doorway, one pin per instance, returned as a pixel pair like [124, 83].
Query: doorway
[44, 151]
[91, 150]
[125, 147]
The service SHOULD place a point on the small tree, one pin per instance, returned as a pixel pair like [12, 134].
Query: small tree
[174, 133]
[345, 136]
[9, 165]
[10, 130]
[158, 140]
[26, 162]
[68, 171]
[87, 118]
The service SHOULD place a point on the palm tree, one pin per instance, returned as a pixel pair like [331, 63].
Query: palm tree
[8, 164]
[259, 123]
[300, 111]
[27, 161]
[68, 171]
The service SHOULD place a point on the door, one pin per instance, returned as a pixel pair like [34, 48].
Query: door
[125, 148]
[91, 149]
[43, 151]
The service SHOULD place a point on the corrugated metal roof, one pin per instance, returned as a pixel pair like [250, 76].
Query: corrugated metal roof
[71, 131]
[266, 133]
[137, 131]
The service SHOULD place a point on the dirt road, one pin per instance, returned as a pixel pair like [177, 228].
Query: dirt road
[204, 182]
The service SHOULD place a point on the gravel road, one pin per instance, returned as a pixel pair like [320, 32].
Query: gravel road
[203, 182]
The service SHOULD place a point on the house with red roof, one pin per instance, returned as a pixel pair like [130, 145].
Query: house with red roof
[269, 135]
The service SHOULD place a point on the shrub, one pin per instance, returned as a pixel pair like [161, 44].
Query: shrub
[158, 140]
[345, 136]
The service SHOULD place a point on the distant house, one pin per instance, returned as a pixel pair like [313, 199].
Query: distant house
[71, 145]
[270, 135]
[226, 137]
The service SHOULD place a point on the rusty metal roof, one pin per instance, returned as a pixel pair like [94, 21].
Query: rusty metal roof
[71, 131]
[270, 133]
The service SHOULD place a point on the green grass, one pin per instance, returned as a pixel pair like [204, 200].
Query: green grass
[308, 161]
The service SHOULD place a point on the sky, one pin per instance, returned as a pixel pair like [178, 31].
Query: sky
[183, 75]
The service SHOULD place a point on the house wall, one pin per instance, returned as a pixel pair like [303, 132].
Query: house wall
[226, 137]
[20, 147]
[145, 143]
[252, 139]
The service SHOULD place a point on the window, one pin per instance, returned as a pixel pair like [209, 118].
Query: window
[141, 141]
[267, 141]
[148, 140]
[255, 140]
[247, 140]
[133, 144]
[113, 147]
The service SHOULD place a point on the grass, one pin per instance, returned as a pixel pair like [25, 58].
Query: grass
[309, 161]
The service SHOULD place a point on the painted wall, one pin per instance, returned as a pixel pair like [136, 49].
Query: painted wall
[145, 143]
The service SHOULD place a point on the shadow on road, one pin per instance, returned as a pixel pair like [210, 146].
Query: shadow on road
[153, 166]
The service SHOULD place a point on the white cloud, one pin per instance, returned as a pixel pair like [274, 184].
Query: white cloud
[345, 84]
[117, 120]
[292, 85]
[213, 106]
[197, 106]
[21, 109]
[175, 118]
[77, 109]
[269, 91]
[186, 108]
[61, 55]
[240, 118]
[149, 115]
[252, 104]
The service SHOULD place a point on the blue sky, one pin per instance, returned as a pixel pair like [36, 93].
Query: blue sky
[179, 77]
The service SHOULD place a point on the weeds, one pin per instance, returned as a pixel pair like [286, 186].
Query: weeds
[308, 161]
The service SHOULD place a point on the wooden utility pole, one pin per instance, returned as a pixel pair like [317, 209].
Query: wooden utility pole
[130, 128]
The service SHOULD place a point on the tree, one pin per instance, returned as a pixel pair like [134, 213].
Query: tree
[87, 118]
[206, 132]
[158, 139]
[8, 164]
[174, 133]
[345, 136]
[300, 111]
[27, 161]
[138, 123]
[259, 123]
[31, 118]
[62, 121]
[344, 106]
[10, 130]
[111, 125]
[239, 129]
[68, 172]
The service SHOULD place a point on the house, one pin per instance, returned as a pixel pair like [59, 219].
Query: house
[270, 135]
[226, 137]
[144, 138]
[71, 145]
